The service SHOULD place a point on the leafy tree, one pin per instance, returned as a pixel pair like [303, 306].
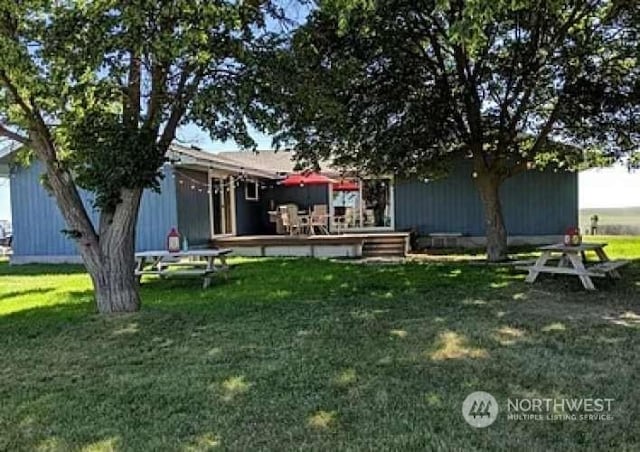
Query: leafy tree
[410, 87]
[96, 91]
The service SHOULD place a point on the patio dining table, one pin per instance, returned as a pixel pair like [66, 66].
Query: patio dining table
[304, 222]
[310, 222]
[572, 261]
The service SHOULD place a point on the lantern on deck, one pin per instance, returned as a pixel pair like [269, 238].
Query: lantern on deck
[173, 241]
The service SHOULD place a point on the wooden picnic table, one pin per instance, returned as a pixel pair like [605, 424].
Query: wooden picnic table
[572, 261]
[199, 263]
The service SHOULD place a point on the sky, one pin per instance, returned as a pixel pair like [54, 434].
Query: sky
[609, 187]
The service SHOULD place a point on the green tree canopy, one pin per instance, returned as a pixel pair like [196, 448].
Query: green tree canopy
[97, 89]
[411, 86]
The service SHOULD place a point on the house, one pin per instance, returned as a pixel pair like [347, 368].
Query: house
[225, 198]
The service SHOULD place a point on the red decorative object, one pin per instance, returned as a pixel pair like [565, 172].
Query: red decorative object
[346, 185]
[293, 180]
[173, 241]
[572, 236]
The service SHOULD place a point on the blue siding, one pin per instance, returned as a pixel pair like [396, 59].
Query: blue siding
[541, 202]
[158, 214]
[37, 222]
[250, 215]
[193, 207]
[534, 203]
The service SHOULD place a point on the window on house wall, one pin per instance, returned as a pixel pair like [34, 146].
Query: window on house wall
[363, 203]
[251, 190]
[376, 203]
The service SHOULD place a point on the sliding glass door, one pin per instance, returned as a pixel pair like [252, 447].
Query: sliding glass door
[362, 204]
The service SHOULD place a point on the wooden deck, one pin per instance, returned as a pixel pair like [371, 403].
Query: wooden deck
[343, 245]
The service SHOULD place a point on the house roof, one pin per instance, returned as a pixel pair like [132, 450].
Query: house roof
[185, 156]
[272, 161]
[279, 161]
[6, 155]
[265, 163]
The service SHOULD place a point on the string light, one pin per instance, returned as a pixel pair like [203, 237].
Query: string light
[223, 184]
[195, 184]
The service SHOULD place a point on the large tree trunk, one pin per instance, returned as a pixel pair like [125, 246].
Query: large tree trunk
[112, 268]
[109, 253]
[489, 188]
[115, 284]
[115, 287]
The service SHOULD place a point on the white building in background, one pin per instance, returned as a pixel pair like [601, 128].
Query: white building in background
[5, 228]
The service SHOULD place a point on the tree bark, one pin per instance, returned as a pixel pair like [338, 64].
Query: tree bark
[110, 259]
[115, 284]
[108, 253]
[495, 230]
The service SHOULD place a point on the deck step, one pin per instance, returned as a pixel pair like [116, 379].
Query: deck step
[384, 246]
[394, 253]
[382, 239]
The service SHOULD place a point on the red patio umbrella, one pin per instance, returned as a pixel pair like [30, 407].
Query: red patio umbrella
[293, 180]
[305, 180]
[346, 185]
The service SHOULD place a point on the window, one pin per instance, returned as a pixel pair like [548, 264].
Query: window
[363, 203]
[251, 190]
[376, 203]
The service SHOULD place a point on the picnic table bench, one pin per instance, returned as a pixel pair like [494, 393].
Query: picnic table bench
[199, 263]
[572, 261]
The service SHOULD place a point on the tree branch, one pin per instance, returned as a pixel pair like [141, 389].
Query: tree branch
[546, 128]
[132, 101]
[33, 116]
[438, 52]
[158, 80]
[184, 93]
[470, 97]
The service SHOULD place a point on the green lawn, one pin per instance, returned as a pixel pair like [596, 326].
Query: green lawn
[318, 355]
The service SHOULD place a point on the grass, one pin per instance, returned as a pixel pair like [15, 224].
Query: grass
[317, 355]
[618, 247]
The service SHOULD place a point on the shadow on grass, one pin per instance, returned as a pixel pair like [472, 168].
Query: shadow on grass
[333, 355]
[24, 293]
[280, 282]
[39, 269]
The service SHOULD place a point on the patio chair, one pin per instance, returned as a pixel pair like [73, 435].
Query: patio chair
[369, 218]
[351, 220]
[318, 219]
[288, 226]
[291, 220]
